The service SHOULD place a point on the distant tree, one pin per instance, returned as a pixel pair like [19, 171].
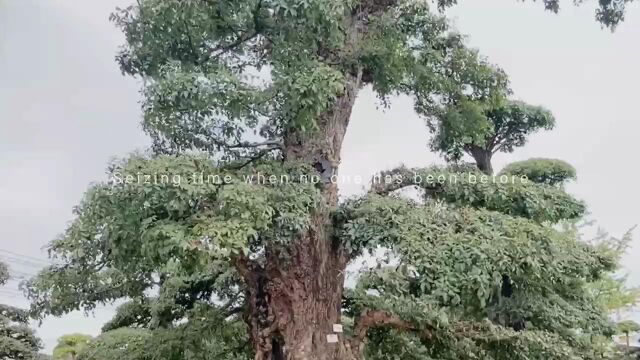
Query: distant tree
[120, 344]
[69, 346]
[481, 130]
[4, 273]
[17, 340]
[199, 336]
[136, 313]
[611, 291]
[627, 327]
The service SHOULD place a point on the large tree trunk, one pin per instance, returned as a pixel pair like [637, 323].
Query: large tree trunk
[294, 303]
[482, 158]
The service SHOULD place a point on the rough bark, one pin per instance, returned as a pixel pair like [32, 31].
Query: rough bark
[294, 302]
[482, 158]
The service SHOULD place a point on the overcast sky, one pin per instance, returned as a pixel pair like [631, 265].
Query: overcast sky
[65, 110]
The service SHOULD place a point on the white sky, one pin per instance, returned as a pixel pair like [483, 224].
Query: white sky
[65, 110]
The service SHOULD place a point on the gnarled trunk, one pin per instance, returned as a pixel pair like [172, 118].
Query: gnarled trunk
[482, 158]
[294, 303]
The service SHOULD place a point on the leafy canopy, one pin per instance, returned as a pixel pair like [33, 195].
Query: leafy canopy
[545, 171]
[226, 84]
[466, 127]
[628, 326]
[69, 346]
[450, 254]
[17, 340]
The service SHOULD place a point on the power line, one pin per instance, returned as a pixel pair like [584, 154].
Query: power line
[10, 292]
[21, 267]
[9, 289]
[21, 275]
[31, 258]
[21, 263]
[22, 272]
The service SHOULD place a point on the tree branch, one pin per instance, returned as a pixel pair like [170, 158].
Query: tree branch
[375, 6]
[244, 144]
[248, 36]
[389, 181]
[222, 49]
[475, 331]
[378, 318]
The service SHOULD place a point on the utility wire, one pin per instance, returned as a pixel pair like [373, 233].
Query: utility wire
[21, 262]
[31, 258]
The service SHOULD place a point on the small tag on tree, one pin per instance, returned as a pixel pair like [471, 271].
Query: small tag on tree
[332, 338]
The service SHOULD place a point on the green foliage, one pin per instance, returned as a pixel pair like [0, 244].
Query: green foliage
[446, 262]
[17, 340]
[458, 255]
[220, 73]
[204, 59]
[501, 126]
[122, 344]
[628, 326]
[4, 273]
[204, 333]
[69, 346]
[543, 171]
[132, 314]
[611, 291]
[190, 226]
[509, 194]
[608, 13]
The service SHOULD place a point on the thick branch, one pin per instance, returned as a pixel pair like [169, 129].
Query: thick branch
[378, 318]
[221, 49]
[241, 263]
[389, 181]
[272, 143]
[250, 159]
[475, 331]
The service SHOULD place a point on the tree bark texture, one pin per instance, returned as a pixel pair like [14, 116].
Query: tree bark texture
[293, 304]
[482, 158]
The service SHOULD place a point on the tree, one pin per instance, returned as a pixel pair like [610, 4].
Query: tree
[256, 97]
[4, 273]
[124, 344]
[69, 346]
[17, 340]
[628, 326]
[483, 130]
[200, 336]
[612, 291]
